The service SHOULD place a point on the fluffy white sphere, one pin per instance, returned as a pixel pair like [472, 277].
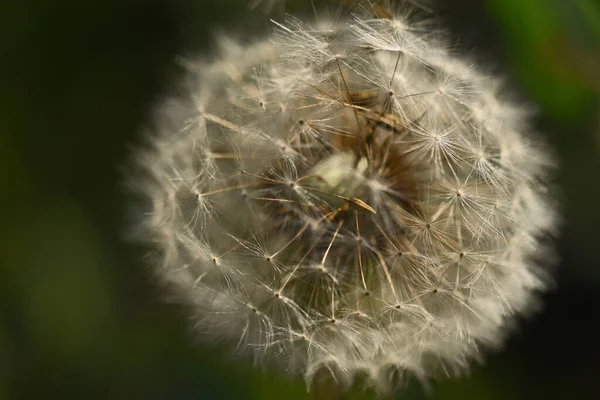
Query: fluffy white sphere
[349, 198]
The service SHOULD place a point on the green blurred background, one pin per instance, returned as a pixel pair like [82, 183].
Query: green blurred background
[79, 315]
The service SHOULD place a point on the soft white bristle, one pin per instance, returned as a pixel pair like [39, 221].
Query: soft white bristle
[350, 199]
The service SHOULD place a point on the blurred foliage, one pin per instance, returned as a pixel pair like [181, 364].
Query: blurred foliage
[553, 48]
[542, 50]
[80, 316]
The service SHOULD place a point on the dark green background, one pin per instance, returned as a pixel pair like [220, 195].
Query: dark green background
[79, 315]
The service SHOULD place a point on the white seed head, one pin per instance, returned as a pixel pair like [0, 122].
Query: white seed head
[349, 198]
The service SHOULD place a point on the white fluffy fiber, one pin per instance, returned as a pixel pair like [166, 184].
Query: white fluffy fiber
[349, 197]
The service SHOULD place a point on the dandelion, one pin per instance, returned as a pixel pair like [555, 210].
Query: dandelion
[349, 199]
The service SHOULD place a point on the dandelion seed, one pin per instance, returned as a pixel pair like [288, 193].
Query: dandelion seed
[347, 198]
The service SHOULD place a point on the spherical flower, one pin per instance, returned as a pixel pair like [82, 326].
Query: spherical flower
[349, 198]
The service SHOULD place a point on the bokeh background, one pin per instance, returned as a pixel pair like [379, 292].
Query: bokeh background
[79, 315]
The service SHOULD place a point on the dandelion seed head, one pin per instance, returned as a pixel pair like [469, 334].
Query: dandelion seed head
[348, 198]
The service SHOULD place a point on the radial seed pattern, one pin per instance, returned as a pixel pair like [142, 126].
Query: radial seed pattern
[349, 198]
